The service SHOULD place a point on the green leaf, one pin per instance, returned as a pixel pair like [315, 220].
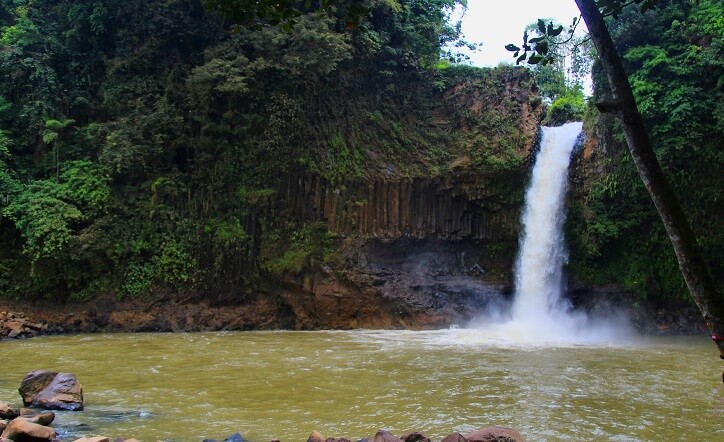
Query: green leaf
[49, 137]
[519, 59]
[541, 26]
[535, 59]
[512, 48]
[542, 47]
[554, 32]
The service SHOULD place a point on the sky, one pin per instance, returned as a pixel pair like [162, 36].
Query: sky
[496, 23]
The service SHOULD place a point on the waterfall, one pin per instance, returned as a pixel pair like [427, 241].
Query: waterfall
[539, 315]
[539, 268]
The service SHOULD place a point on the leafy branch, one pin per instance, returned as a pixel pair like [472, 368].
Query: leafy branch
[536, 50]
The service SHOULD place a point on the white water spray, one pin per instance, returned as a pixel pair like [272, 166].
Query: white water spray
[540, 317]
[539, 269]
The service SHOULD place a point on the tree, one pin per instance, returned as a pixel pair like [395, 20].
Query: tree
[699, 280]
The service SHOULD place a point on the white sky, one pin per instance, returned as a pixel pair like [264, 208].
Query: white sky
[496, 23]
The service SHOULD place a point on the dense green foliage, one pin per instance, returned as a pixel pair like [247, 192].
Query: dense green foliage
[142, 143]
[674, 58]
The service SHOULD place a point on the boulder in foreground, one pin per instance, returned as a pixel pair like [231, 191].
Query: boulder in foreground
[6, 412]
[52, 390]
[495, 434]
[20, 429]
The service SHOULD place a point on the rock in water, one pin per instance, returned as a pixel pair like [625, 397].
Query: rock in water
[385, 436]
[495, 434]
[20, 430]
[39, 418]
[415, 437]
[316, 436]
[52, 390]
[454, 437]
[6, 412]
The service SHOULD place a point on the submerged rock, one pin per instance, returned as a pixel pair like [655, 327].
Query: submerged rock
[495, 434]
[93, 439]
[52, 390]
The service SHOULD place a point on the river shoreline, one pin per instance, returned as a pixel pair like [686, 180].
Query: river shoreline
[170, 314]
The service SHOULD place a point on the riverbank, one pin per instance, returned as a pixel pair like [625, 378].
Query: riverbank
[318, 311]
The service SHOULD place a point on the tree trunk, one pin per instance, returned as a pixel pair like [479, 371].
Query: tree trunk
[701, 285]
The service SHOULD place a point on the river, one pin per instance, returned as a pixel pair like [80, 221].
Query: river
[266, 385]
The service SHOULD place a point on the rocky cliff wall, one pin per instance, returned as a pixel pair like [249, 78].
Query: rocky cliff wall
[432, 249]
[424, 208]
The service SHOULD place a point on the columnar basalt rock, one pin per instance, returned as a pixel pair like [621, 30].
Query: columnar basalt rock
[462, 208]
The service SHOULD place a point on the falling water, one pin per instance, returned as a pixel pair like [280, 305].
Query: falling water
[540, 316]
[539, 270]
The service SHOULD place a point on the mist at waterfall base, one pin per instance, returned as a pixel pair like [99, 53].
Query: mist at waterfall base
[539, 315]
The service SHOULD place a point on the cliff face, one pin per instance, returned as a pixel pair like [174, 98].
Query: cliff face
[451, 209]
[433, 249]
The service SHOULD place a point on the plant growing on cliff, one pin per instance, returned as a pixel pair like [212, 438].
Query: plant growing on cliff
[293, 250]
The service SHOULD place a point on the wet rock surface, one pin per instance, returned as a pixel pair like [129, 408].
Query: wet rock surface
[7, 412]
[495, 434]
[16, 325]
[51, 391]
[646, 317]
[20, 430]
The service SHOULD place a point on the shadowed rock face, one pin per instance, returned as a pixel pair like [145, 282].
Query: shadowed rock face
[51, 390]
[417, 284]
[466, 206]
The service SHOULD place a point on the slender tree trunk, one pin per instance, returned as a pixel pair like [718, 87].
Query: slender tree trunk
[701, 285]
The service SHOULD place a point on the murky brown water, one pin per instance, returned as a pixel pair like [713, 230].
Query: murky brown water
[265, 385]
